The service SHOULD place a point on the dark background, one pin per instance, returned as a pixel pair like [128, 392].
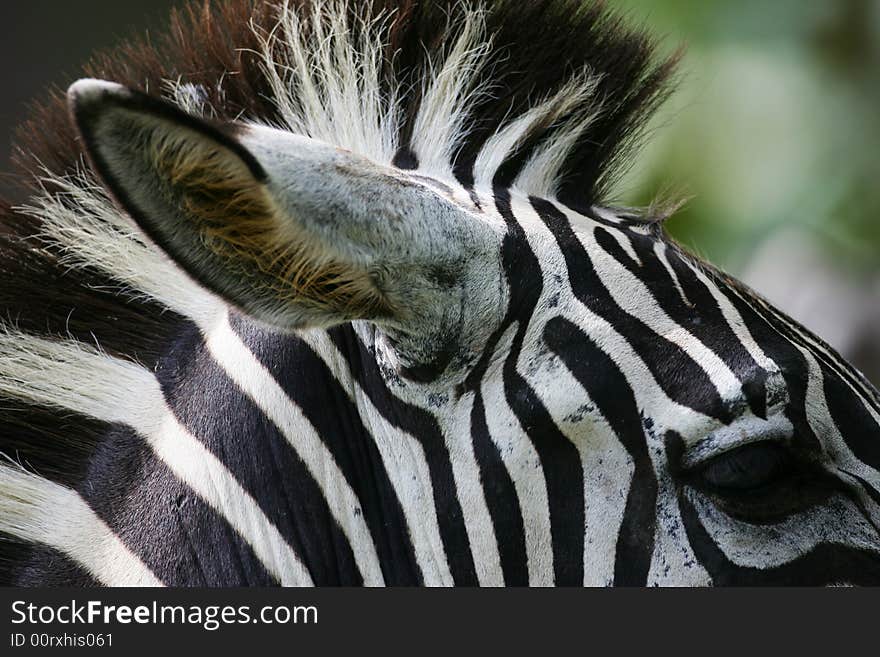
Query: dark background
[513, 621]
[45, 42]
[775, 132]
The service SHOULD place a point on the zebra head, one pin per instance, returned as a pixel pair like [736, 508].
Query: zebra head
[400, 363]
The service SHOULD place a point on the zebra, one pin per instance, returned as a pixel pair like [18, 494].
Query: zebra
[329, 292]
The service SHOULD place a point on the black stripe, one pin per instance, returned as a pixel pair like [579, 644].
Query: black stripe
[501, 500]
[424, 427]
[680, 377]
[779, 348]
[40, 565]
[560, 460]
[238, 433]
[614, 398]
[307, 380]
[826, 563]
[859, 430]
[828, 357]
[703, 319]
[867, 488]
[405, 158]
[499, 491]
[177, 536]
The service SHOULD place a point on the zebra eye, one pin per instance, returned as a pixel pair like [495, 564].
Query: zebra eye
[747, 468]
[762, 482]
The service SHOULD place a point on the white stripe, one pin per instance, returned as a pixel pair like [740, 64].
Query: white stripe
[735, 321]
[465, 471]
[402, 457]
[228, 350]
[524, 465]
[859, 388]
[631, 294]
[673, 562]
[777, 392]
[607, 466]
[541, 175]
[37, 510]
[517, 450]
[601, 520]
[660, 249]
[70, 375]
[837, 521]
[650, 397]
[197, 467]
[618, 236]
[471, 495]
[829, 433]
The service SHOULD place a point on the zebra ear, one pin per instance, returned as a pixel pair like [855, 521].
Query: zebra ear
[294, 232]
[200, 194]
[203, 197]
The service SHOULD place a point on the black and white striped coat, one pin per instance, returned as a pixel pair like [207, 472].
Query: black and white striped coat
[347, 305]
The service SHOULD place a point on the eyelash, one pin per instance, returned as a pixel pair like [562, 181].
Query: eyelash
[747, 467]
[762, 483]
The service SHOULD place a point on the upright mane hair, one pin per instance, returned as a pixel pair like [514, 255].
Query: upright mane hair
[546, 96]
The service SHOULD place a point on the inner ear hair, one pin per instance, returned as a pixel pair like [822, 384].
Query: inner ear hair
[239, 222]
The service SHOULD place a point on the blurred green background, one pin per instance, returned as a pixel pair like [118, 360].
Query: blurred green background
[776, 122]
[774, 132]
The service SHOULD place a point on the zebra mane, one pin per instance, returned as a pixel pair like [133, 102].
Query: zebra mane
[551, 94]
[546, 96]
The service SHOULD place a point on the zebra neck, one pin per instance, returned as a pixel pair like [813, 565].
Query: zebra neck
[297, 423]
